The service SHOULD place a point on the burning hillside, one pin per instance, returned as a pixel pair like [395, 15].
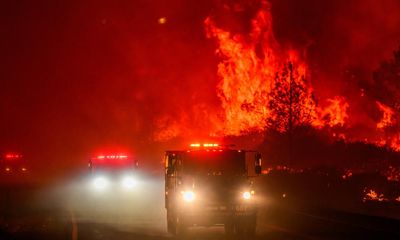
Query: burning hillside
[263, 85]
[272, 88]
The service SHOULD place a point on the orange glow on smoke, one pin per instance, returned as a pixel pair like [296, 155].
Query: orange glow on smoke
[162, 20]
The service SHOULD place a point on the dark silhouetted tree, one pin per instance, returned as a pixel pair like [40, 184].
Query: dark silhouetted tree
[292, 103]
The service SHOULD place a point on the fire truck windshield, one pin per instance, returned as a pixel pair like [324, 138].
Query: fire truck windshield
[112, 164]
[226, 162]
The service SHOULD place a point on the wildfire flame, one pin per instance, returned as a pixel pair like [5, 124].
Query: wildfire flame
[392, 174]
[335, 114]
[263, 86]
[372, 195]
[387, 117]
[347, 174]
[246, 78]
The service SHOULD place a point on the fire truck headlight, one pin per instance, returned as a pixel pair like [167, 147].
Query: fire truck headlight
[247, 195]
[128, 182]
[100, 182]
[188, 196]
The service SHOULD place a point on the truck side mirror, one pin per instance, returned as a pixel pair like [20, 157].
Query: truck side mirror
[171, 160]
[257, 163]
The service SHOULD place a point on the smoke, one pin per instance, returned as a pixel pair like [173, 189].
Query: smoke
[345, 42]
[79, 76]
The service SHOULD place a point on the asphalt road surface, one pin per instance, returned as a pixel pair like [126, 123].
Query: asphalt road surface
[277, 223]
[67, 213]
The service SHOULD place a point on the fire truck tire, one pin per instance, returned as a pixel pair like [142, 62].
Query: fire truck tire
[181, 228]
[250, 227]
[171, 227]
[245, 227]
[176, 226]
[171, 223]
[229, 228]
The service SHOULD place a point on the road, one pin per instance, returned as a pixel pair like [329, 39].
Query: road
[279, 223]
[64, 213]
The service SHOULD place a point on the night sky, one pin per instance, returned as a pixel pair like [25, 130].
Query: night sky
[80, 77]
[77, 77]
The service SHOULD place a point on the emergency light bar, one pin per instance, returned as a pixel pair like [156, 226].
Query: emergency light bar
[204, 145]
[13, 156]
[112, 157]
[210, 145]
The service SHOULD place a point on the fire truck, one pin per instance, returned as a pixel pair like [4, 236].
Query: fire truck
[211, 185]
[112, 172]
[14, 167]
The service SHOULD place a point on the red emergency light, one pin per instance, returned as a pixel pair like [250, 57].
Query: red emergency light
[195, 145]
[210, 145]
[206, 145]
[112, 157]
[13, 156]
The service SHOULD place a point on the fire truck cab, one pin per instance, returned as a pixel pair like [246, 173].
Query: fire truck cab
[209, 185]
[112, 172]
[14, 167]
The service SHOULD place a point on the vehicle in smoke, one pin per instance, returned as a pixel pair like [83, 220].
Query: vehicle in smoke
[211, 185]
[112, 172]
[14, 167]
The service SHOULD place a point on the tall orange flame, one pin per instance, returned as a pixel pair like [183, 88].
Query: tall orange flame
[335, 114]
[260, 83]
[387, 117]
[262, 86]
[246, 78]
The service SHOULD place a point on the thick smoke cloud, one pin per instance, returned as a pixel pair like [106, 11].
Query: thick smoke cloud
[344, 43]
[339, 37]
[81, 76]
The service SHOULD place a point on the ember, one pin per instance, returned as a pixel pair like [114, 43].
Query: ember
[372, 195]
[347, 174]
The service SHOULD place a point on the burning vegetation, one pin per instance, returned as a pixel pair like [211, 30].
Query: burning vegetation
[387, 116]
[266, 87]
[263, 86]
[270, 89]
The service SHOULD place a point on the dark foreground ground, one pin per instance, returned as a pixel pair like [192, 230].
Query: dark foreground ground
[63, 212]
